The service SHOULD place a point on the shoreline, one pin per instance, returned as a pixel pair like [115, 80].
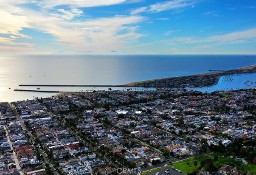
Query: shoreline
[192, 81]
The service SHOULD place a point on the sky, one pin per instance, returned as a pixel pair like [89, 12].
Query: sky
[127, 26]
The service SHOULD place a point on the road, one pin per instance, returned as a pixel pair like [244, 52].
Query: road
[32, 139]
[163, 166]
[171, 171]
[14, 153]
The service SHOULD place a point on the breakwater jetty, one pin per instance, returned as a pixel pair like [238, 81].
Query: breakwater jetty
[41, 91]
[52, 85]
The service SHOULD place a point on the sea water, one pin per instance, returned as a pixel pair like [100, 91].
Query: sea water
[100, 70]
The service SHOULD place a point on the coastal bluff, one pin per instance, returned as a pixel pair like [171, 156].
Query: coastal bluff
[192, 81]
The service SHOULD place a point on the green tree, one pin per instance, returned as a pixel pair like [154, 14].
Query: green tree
[132, 165]
[48, 170]
[166, 152]
[195, 163]
[208, 165]
[181, 121]
[204, 145]
[254, 160]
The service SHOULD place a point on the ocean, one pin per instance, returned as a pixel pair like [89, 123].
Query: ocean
[15, 70]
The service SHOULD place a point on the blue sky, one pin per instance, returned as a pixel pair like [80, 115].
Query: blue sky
[128, 27]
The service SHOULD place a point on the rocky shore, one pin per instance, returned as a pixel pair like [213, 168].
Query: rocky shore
[192, 81]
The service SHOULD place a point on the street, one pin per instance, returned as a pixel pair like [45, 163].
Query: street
[163, 166]
[163, 171]
[14, 153]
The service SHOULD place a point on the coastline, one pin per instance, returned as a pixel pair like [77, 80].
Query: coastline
[207, 79]
[192, 81]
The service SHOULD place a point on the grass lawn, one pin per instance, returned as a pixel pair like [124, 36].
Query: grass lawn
[228, 160]
[187, 166]
[151, 171]
[192, 165]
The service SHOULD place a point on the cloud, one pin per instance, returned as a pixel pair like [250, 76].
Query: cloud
[234, 37]
[211, 13]
[69, 14]
[248, 35]
[12, 24]
[6, 49]
[162, 19]
[139, 10]
[163, 6]
[78, 3]
[70, 34]
[98, 34]
[170, 32]
[169, 5]
[7, 45]
[251, 7]
[221, 44]
[5, 40]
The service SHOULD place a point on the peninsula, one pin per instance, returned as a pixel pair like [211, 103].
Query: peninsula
[192, 81]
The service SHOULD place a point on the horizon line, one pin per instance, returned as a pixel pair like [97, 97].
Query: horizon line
[133, 54]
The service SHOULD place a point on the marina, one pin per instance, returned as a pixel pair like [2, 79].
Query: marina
[231, 82]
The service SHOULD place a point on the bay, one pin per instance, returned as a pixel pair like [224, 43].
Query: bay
[231, 82]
